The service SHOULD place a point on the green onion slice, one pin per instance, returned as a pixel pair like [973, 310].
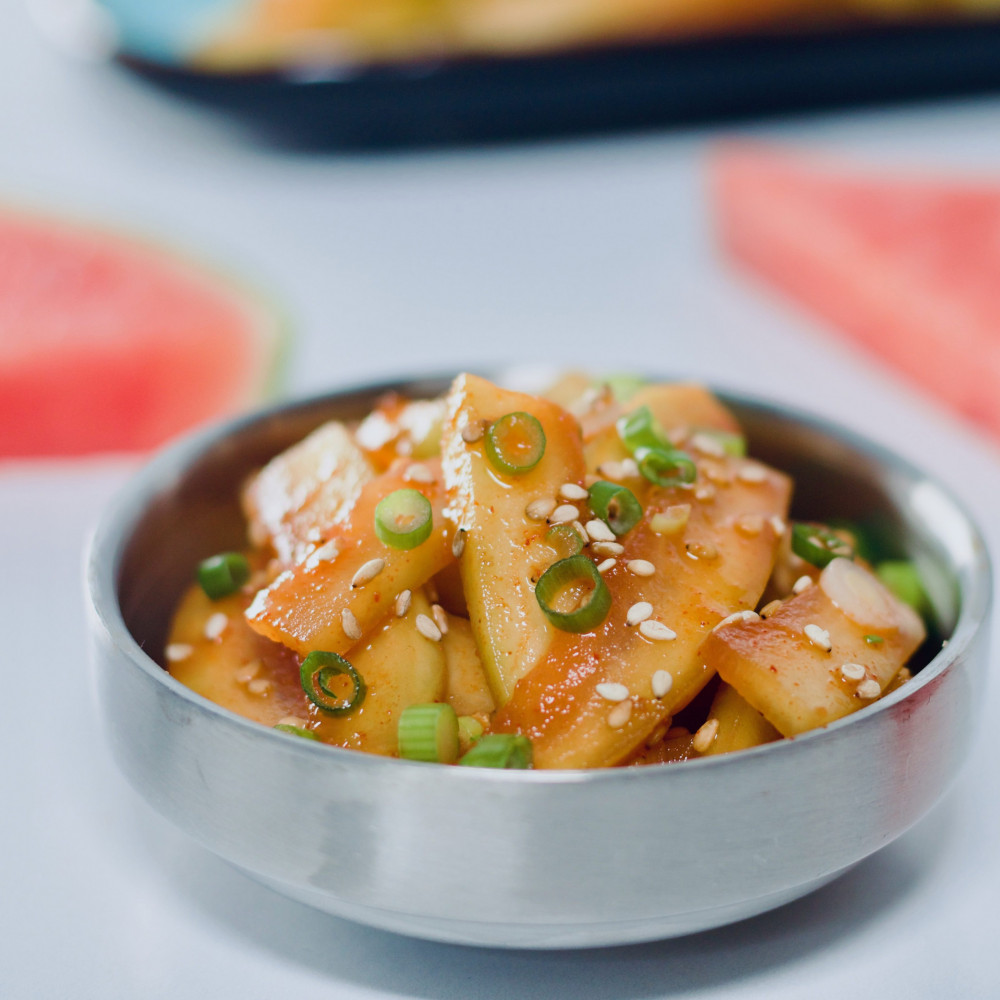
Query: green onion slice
[570, 577]
[318, 670]
[470, 730]
[515, 443]
[818, 545]
[640, 429]
[306, 734]
[902, 578]
[616, 505]
[565, 539]
[506, 750]
[428, 732]
[666, 467]
[404, 519]
[223, 574]
[874, 640]
[624, 386]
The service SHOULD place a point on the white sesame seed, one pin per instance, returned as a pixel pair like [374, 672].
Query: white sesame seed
[705, 736]
[702, 550]
[678, 435]
[473, 431]
[571, 491]
[804, 582]
[708, 444]
[350, 625]
[418, 474]
[582, 532]
[177, 651]
[671, 520]
[458, 543]
[611, 470]
[440, 618]
[770, 608]
[818, 637]
[750, 525]
[704, 492]
[610, 691]
[657, 631]
[216, 624]
[630, 468]
[853, 672]
[869, 689]
[403, 600]
[539, 510]
[752, 473]
[599, 531]
[778, 524]
[608, 548]
[259, 686]
[367, 572]
[662, 682]
[640, 567]
[247, 671]
[639, 612]
[428, 629]
[563, 514]
[603, 567]
[737, 616]
[620, 714]
[293, 720]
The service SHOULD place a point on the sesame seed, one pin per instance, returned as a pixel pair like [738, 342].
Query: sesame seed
[259, 686]
[418, 474]
[177, 651]
[778, 524]
[869, 689]
[367, 572]
[702, 550]
[804, 582]
[539, 510]
[678, 435]
[707, 444]
[403, 600]
[704, 492]
[716, 473]
[671, 520]
[428, 629]
[599, 531]
[853, 672]
[750, 525]
[752, 473]
[293, 720]
[563, 514]
[608, 548]
[440, 618]
[737, 616]
[639, 612]
[473, 431]
[620, 714]
[640, 567]
[657, 631]
[705, 736]
[571, 491]
[662, 682]
[610, 691]
[818, 637]
[582, 532]
[770, 608]
[630, 468]
[603, 567]
[217, 624]
[247, 672]
[458, 543]
[349, 623]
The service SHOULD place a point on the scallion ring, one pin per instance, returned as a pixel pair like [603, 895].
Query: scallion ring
[818, 545]
[316, 672]
[223, 574]
[616, 505]
[404, 519]
[429, 733]
[503, 750]
[902, 578]
[515, 443]
[666, 467]
[640, 429]
[305, 734]
[566, 575]
[565, 539]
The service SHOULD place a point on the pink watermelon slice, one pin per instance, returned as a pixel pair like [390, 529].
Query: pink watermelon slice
[908, 267]
[108, 344]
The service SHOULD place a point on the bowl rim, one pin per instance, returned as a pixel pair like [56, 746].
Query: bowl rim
[109, 539]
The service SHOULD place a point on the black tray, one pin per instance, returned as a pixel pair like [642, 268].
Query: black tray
[633, 87]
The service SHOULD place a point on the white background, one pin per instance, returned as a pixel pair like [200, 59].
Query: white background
[595, 252]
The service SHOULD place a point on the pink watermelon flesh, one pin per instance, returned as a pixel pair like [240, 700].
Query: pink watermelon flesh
[907, 267]
[110, 345]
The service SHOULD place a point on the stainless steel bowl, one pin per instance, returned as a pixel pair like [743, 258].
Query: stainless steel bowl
[530, 859]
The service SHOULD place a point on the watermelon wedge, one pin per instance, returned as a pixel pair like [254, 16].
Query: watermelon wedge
[108, 344]
[907, 267]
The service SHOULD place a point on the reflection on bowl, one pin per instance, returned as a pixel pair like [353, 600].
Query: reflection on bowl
[530, 859]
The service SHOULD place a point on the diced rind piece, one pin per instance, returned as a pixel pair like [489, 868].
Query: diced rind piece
[740, 725]
[304, 608]
[782, 667]
[467, 690]
[703, 573]
[295, 501]
[504, 551]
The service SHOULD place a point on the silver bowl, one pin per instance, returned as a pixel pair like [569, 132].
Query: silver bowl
[534, 859]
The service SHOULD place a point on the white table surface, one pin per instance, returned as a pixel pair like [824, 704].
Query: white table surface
[593, 251]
